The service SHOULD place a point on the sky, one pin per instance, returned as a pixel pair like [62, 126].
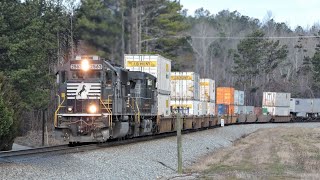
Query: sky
[293, 12]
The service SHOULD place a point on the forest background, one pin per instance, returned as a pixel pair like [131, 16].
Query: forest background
[36, 36]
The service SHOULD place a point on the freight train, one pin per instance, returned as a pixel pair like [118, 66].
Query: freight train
[98, 101]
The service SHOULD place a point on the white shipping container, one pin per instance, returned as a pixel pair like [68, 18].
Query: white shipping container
[185, 86]
[276, 99]
[278, 111]
[298, 105]
[316, 105]
[211, 108]
[238, 97]
[237, 109]
[203, 108]
[164, 105]
[156, 65]
[186, 107]
[207, 90]
[241, 97]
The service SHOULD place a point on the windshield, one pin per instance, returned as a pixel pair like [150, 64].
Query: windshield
[86, 75]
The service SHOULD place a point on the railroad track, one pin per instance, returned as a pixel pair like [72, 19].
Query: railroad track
[64, 149]
[45, 150]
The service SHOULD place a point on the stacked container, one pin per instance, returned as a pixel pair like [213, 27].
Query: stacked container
[304, 106]
[225, 100]
[185, 93]
[159, 67]
[276, 103]
[239, 107]
[238, 98]
[243, 109]
[207, 95]
[316, 105]
[186, 107]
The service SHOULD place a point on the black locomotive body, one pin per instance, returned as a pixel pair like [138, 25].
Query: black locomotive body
[99, 101]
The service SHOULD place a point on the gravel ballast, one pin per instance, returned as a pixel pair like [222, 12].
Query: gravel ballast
[144, 160]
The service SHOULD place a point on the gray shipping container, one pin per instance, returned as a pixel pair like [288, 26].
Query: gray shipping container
[303, 106]
[316, 105]
[276, 99]
[298, 105]
[243, 109]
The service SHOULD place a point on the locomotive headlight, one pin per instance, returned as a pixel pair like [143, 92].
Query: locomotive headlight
[70, 108]
[85, 65]
[92, 108]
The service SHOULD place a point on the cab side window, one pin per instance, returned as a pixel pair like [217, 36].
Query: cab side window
[109, 78]
[63, 77]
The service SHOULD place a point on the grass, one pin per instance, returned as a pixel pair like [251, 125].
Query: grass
[280, 153]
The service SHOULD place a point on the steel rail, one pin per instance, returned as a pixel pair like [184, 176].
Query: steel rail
[43, 150]
[64, 149]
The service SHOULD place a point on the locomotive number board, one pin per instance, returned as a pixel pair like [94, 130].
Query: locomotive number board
[92, 66]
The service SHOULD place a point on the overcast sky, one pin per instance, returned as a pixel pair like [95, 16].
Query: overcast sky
[294, 12]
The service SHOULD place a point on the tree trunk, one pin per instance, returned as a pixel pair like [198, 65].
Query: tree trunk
[122, 32]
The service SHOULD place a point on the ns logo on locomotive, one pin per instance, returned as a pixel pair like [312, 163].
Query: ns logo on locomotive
[98, 101]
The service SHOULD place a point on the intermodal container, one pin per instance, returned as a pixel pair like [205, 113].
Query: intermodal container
[231, 110]
[207, 90]
[243, 109]
[223, 109]
[277, 111]
[203, 108]
[276, 99]
[156, 65]
[316, 105]
[238, 97]
[185, 86]
[211, 108]
[186, 107]
[225, 95]
[257, 111]
[299, 105]
[164, 105]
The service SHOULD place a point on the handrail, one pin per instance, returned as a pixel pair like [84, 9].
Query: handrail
[58, 108]
[109, 101]
[109, 112]
[138, 114]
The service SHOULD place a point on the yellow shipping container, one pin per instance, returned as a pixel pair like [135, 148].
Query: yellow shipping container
[225, 95]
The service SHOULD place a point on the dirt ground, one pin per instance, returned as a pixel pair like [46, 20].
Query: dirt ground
[280, 153]
[34, 139]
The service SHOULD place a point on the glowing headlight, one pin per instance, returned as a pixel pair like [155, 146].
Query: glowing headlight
[70, 109]
[85, 65]
[92, 109]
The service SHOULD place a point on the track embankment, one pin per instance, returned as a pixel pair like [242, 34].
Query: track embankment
[143, 160]
[277, 153]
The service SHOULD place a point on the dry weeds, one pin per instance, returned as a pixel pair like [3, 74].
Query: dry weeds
[279, 153]
[34, 139]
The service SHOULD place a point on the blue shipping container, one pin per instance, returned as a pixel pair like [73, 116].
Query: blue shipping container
[222, 109]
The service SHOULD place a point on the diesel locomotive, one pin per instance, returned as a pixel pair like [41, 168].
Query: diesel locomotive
[98, 100]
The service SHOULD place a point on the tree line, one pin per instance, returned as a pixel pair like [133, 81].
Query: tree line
[39, 35]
